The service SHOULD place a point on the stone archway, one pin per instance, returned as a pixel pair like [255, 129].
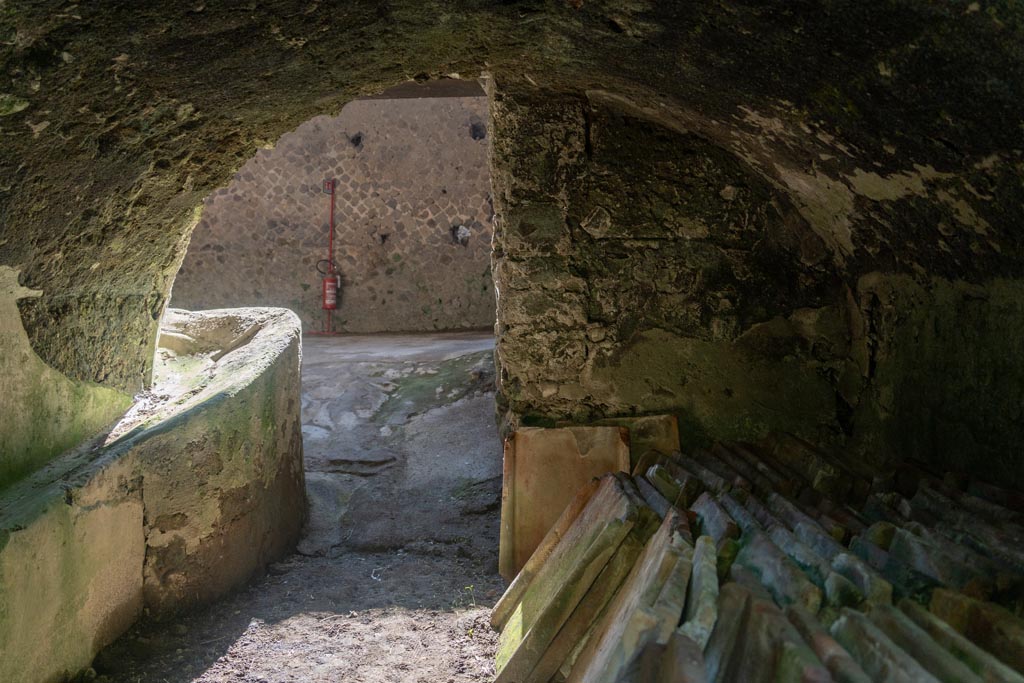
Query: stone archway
[116, 133]
[801, 218]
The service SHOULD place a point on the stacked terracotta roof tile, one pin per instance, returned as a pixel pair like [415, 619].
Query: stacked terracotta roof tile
[775, 562]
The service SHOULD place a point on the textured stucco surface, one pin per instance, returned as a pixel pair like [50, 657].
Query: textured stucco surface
[410, 174]
[199, 493]
[71, 571]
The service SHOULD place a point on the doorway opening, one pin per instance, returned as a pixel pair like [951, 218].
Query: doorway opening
[397, 565]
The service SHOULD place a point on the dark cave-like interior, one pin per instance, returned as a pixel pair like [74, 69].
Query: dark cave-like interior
[759, 290]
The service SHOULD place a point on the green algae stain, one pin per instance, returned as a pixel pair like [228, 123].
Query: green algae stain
[417, 393]
[11, 104]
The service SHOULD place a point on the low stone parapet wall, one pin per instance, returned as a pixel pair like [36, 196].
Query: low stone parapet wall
[200, 488]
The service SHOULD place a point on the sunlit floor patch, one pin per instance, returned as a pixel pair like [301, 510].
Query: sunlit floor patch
[398, 568]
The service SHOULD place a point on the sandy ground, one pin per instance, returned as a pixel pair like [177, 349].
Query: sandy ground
[397, 569]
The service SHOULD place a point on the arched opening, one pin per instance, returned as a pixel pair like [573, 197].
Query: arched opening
[401, 454]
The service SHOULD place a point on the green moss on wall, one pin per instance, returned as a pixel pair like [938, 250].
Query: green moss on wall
[44, 412]
[746, 294]
[55, 415]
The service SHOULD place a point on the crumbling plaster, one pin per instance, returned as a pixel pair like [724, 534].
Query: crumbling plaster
[648, 259]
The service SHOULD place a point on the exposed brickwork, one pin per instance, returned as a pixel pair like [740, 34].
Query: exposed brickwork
[409, 173]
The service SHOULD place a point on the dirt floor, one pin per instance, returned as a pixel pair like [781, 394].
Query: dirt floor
[397, 571]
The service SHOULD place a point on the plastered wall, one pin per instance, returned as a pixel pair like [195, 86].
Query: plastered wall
[412, 221]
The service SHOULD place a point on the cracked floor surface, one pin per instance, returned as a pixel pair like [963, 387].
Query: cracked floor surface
[397, 569]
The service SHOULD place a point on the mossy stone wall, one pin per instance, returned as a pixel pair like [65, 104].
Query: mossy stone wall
[43, 412]
[870, 137]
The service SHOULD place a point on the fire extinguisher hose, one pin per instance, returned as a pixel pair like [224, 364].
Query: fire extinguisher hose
[332, 267]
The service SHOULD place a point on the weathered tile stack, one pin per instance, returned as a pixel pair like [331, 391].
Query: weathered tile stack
[771, 563]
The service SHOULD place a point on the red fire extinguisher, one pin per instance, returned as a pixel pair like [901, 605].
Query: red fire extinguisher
[331, 284]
